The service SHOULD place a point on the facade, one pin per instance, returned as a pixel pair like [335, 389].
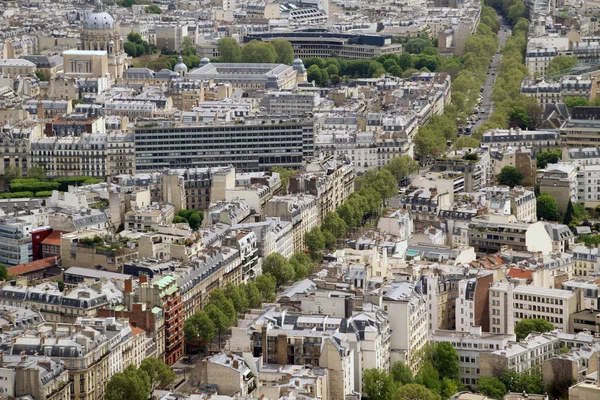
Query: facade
[254, 77]
[15, 241]
[490, 235]
[581, 130]
[586, 261]
[509, 304]
[301, 210]
[409, 324]
[539, 140]
[346, 46]
[102, 34]
[158, 148]
[556, 92]
[560, 181]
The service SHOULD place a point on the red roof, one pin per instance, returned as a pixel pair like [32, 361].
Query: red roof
[53, 239]
[137, 331]
[520, 273]
[38, 265]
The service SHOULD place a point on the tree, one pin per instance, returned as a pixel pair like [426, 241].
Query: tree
[131, 384]
[194, 221]
[510, 176]
[284, 50]
[284, 176]
[218, 298]
[401, 374]
[561, 64]
[518, 116]
[130, 49]
[219, 319]
[428, 377]
[253, 295]
[414, 391]
[449, 387]
[153, 9]
[547, 207]
[402, 166]
[279, 267]
[548, 157]
[160, 374]
[266, 285]
[199, 329]
[525, 326]
[192, 217]
[3, 272]
[187, 47]
[237, 295]
[334, 224]
[445, 360]
[491, 387]
[377, 385]
[330, 240]
[229, 50]
[12, 172]
[569, 213]
[315, 241]
[257, 51]
[40, 75]
[37, 172]
[301, 263]
[416, 46]
[516, 11]
[466, 142]
[572, 102]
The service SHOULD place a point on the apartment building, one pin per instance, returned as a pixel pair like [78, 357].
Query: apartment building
[509, 304]
[301, 210]
[329, 179]
[581, 130]
[15, 147]
[15, 241]
[251, 146]
[409, 324]
[165, 293]
[37, 377]
[521, 201]
[490, 233]
[440, 295]
[474, 165]
[561, 182]
[524, 357]
[472, 302]
[470, 345]
[515, 137]
[556, 92]
[289, 103]
[586, 261]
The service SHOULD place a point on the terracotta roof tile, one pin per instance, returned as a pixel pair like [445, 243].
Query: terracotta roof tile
[38, 265]
[53, 238]
[520, 273]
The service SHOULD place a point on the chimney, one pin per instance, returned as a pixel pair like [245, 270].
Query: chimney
[128, 286]
[40, 110]
[143, 279]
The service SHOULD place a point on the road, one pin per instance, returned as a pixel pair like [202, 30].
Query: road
[486, 103]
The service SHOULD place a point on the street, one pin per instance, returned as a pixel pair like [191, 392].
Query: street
[486, 103]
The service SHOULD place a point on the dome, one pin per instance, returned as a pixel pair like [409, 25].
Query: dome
[205, 61]
[180, 66]
[99, 21]
[298, 66]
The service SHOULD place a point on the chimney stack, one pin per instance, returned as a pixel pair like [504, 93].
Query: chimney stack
[128, 286]
[143, 279]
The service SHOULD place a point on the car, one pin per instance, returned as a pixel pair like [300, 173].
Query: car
[482, 111]
[488, 72]
[493, 73]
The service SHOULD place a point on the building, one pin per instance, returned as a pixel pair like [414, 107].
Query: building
[254, 76]
[15, 241]
[560, 181]
[474, 166]
[289, 103]
[581, 130]
[409, 324]
[470, 345]
[472, 302]
[509, 304]
[586, 261]
[301, 210]
[556, 92]
[283, 143]
[100, 34]
[488, 234]
[539, 140]
[165, 293]
[325, 44]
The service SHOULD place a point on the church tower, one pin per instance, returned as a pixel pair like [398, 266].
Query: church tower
[101, 32]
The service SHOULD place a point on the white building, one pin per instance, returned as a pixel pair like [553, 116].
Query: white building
[408, 324]
[470, 345]
[510, 304]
